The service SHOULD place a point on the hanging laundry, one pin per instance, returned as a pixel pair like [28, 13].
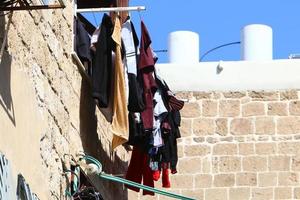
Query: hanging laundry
[106, 111]
[146, 68]
[129, 37]
[120, 127]
[102, 64]
[154, 135]
[159, 112]
[83, 42]
[139, 170]
[171, 124]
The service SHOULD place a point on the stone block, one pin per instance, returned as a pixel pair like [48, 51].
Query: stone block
[241, 126]
[189, 165]
[229, 108]
[203, 180]
[283, 193]
[265, 148]
[279, 163]
[202, 95]
[191, 110]
[245, 100]
[206, 165]
[253, 109]
[297, 193]
[264, 126]
[296, 163]
[199, 139]
[234, 94]
[255, 163]
[239, 193]
[209, 108]
[278, 108]
[288, 95]
[262, 193]
[225, 149]
[288, 125]
[246, 179]
[203, 126]
[217, 95]
[289, 148]
[186, 127]
[230, 164]
[222, 126]
[196, 150]
[246, 148]
[181, 181]
[163, 197]
[226, 139]
[212, 140]
[267, 179]
[197, 194]
[288, 179]
[224, 180]
[184, 95]
[180, 151]
[294, 108]
[216, 194]
[263, 95]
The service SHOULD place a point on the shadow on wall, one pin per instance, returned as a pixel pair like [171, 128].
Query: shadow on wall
[5, 76]
[93, 146]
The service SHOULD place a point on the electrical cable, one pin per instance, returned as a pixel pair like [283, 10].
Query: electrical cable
[218, 47]
[161, 51]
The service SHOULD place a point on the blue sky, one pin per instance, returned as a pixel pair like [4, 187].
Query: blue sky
[218, 22]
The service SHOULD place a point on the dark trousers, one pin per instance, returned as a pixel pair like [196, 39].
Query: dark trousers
[139, 170]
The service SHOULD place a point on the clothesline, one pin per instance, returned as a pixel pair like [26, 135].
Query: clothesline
[113, 9]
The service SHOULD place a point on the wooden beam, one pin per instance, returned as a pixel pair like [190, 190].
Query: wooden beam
[37, 7]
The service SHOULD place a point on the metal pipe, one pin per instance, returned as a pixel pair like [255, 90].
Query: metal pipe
[5, 36]
[112, 9]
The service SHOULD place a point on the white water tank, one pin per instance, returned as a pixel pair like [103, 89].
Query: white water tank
[257, 42]
[183, 47]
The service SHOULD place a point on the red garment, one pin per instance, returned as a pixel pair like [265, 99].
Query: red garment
[156, 175]
[165, 178]
[146, 68]
[139, 169]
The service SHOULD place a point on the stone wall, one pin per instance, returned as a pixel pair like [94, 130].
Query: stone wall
[239, 145]
[234, 145]
[46, 109]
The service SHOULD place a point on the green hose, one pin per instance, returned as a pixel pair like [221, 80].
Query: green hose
[131, 183]
[144, 187]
